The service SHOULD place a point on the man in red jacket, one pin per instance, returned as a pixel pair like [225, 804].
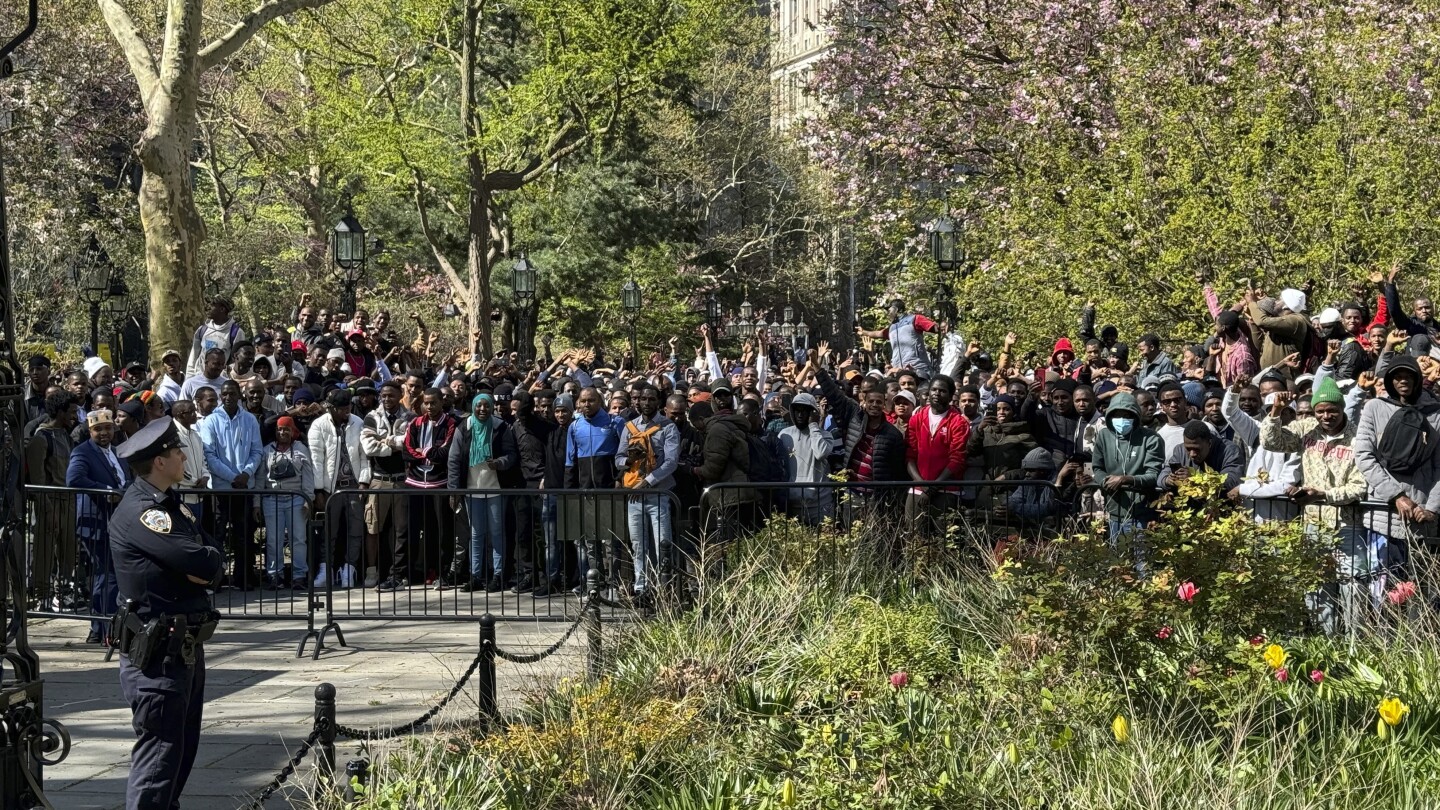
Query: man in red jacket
[935, 451]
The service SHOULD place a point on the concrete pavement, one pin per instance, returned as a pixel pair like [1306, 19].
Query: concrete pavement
[260, 697]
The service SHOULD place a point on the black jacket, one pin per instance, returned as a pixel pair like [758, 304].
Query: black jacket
[555, 458]
[531, 436]
[887, 457]
[727, 451]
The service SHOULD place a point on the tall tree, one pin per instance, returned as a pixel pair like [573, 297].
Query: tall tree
[169, 78]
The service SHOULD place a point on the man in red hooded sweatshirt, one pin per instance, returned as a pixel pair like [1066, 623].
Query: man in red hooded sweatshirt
[1062, 362]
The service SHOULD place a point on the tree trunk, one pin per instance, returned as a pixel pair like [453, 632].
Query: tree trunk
[173, 232]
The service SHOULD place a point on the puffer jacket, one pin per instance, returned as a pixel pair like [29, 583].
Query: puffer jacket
[727, 456]
[1139, 455]
[1423, 485]
[887, 457]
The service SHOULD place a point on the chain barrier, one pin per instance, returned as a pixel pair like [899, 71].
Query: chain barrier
[400, 730]
[286, 772]
[535, 658]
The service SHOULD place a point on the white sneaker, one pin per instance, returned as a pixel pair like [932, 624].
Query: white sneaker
[323, 578]
[347, 576]
[372, 577]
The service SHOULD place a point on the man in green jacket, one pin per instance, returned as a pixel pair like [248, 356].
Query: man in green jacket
[1127, 460]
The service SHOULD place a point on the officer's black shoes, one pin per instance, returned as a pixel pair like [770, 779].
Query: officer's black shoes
[523, 586]
[392, 584]
[546, 590]
[495, 585]
[472, 584]
[95, 636]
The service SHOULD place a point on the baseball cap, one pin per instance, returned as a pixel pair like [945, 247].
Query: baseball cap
[721, 385]
[335, 354]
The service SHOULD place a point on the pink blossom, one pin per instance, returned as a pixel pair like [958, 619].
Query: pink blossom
[1163, 633]
[1316, 676]
[1282, 675]
[1187, 591]
[899, 679]
[1401, 593]
[1257, 640]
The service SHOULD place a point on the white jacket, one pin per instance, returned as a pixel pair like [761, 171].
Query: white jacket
[325, 449]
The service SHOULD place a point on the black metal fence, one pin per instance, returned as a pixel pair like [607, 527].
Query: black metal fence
[441, 554]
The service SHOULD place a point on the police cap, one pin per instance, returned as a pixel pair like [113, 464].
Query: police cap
[151, 441]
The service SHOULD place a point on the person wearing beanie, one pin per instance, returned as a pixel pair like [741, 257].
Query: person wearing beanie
[1330, 479]
[1002, 441]
[341, 467]
[287, 476]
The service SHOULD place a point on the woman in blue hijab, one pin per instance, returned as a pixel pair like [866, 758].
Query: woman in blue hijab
[484, 447]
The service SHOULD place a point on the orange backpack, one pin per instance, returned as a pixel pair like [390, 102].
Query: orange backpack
[639, 454]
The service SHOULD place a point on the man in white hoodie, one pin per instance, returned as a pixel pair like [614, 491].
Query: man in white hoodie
[219, 332]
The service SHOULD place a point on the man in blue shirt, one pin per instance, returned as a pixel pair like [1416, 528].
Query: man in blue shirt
[590, 447]
[231, 436]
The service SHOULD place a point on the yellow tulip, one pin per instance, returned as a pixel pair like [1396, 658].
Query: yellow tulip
[1120, 727]
[787, 794]
[1012, 753]
[1392, 711]
[1275, 656]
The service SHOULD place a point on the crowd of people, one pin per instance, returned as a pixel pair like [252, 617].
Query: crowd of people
[458, 471]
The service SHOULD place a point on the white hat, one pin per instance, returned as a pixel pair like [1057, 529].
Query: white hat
[903, 394]
[1293, 299]
[1271, 397]
[93, 365]
[1329, 315]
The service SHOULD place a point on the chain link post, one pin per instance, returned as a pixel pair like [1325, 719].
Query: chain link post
[489, 712]
[593, 649]
[325, 717]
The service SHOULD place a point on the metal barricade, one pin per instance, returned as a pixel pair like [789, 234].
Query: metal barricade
[449, 554]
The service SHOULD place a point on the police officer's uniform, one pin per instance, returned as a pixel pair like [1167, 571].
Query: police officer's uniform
[163, 622]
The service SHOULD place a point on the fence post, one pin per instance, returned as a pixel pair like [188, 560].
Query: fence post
[592, 625]
[489, 713]
[325, 745]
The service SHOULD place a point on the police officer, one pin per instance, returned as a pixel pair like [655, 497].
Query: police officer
[163, 568]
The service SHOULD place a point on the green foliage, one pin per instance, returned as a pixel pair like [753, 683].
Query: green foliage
[1250, 581]
[873, 640]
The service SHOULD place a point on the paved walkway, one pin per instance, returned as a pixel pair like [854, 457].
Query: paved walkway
[260, 698]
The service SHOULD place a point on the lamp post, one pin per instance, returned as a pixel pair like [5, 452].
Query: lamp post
[118, 303]
[347, 249]
[713, 317]
[91, 273]
[632, 298]
[522, 284]
[802, 335]
[948, 250]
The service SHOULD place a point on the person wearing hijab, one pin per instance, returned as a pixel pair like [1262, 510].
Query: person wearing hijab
[484, 447]
[287, 474]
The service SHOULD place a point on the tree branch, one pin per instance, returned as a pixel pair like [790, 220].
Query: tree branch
[137, 53]
[225, 46]
[458, 287]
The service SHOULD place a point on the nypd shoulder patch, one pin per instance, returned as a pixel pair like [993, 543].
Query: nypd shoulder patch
[156, 520]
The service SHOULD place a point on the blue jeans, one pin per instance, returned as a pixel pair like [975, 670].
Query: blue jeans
[648, 517]
[285, 520]
[487, 527]
[1134, 531]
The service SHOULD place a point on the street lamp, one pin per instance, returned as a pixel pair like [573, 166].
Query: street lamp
[712, 315]
[522, 284]
[91, 272]
[347, 248]
[632, 299]
[947, 249]
[802, 335]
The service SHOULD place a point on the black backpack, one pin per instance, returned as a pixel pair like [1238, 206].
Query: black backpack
[1406, 443]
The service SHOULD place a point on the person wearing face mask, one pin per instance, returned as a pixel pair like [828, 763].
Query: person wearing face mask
[1127, 461]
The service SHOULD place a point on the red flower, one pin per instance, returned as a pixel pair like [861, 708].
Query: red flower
[1401, 593]
[1187, 592]
[1256, 641]
[1163, 633]
[1282, 675]
[1316, 676]
[899, 679]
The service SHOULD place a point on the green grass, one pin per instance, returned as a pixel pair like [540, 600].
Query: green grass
[774, 692]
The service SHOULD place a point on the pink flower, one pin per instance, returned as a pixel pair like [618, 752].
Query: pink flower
[1316, 676]
[1187, 592]
[1256, 641]
[1163, 633]
[1401, 593]
[899, 679]
[1282, 675]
